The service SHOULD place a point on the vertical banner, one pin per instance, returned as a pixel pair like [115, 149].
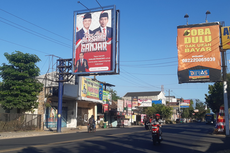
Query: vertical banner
[106, 108]
[120, 105]
[93, 50]
[129, 105]
[198, 53]
[225, 37]
[107, 97]
[134, 101]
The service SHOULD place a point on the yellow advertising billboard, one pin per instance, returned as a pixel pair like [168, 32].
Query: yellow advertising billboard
[198, 53]
[225, 37]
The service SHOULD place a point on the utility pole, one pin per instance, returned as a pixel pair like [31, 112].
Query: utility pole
[223, 52]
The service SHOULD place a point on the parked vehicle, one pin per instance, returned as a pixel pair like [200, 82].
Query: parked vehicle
[156, 135]
[91, 128]
[209, 118]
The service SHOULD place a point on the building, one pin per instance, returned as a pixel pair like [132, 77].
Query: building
[81, 98]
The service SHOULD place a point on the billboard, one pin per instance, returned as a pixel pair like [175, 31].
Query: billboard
[94, 45]
[89, 88]
[198, 53]
[120, 105]
[225, 37]
[144, 103]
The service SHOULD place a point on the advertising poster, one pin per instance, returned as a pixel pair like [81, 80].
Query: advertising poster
[142, 117]
[90, 89]
[144, 103]
[134, 101]
[106, 97]
[225, 37]
[93, 36]
[120, 105]
[198, 53]
[106, 108]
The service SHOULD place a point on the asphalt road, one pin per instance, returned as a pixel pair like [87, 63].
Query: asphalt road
[186, 138]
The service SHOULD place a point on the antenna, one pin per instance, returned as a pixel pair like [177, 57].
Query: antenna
[208, 12]
[186, 16]
[83, 5]
[99, 4]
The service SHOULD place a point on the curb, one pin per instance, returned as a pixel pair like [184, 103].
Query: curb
[30, 134]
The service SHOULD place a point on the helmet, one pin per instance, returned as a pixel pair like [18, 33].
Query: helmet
[92, 116]
[157, 115]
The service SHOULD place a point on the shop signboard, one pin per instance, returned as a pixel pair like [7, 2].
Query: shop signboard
[90, 88]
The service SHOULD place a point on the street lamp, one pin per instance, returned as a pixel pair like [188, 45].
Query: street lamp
[186, 16]
[207, 12]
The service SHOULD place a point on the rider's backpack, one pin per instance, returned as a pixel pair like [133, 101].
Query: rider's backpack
[91, 121]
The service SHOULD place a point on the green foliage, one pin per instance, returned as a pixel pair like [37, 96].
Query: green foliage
[187, 112]
[19, 87]
[164, 111]
[201, 107]
[115, 97]
[214, 98]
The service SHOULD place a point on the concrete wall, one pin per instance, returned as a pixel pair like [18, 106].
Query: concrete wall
[162, 97]
[71, 115]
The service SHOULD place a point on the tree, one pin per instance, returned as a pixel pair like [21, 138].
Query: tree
[214, 98]
[201, 107]
[115, 97]
[164, 111]
[19, 87]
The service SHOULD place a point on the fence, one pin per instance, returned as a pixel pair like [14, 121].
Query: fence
[19, 122]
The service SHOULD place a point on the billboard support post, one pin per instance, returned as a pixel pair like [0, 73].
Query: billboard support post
[60, 89]
[225, 93]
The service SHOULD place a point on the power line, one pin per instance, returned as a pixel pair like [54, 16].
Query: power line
[149, 59]
[24, 46]
[35, 25]
[35, 33]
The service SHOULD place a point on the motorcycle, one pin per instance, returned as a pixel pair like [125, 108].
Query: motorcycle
[156, 133]
[91, 128]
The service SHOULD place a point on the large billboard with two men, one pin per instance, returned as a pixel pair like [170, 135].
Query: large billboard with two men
[199, 53]
[94, 42]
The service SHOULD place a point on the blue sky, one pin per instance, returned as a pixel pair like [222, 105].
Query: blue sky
[148, 31]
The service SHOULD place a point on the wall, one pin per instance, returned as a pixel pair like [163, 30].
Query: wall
[162, 97]
[71, 115]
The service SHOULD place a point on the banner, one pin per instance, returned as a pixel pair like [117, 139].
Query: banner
[144, 103]
[106, 97]
[134, 101]
[120, 105]
[106, 108]
[225, 37]
[142, 117]
[93, 42]
[198, 53]
[90, 89]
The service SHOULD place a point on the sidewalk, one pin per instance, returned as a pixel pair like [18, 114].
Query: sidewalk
[21, 134]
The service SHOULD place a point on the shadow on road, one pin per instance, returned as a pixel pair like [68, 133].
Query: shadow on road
[184, 138]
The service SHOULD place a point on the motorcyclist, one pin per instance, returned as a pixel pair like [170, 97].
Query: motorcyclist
[92, 121]
[158, 121]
